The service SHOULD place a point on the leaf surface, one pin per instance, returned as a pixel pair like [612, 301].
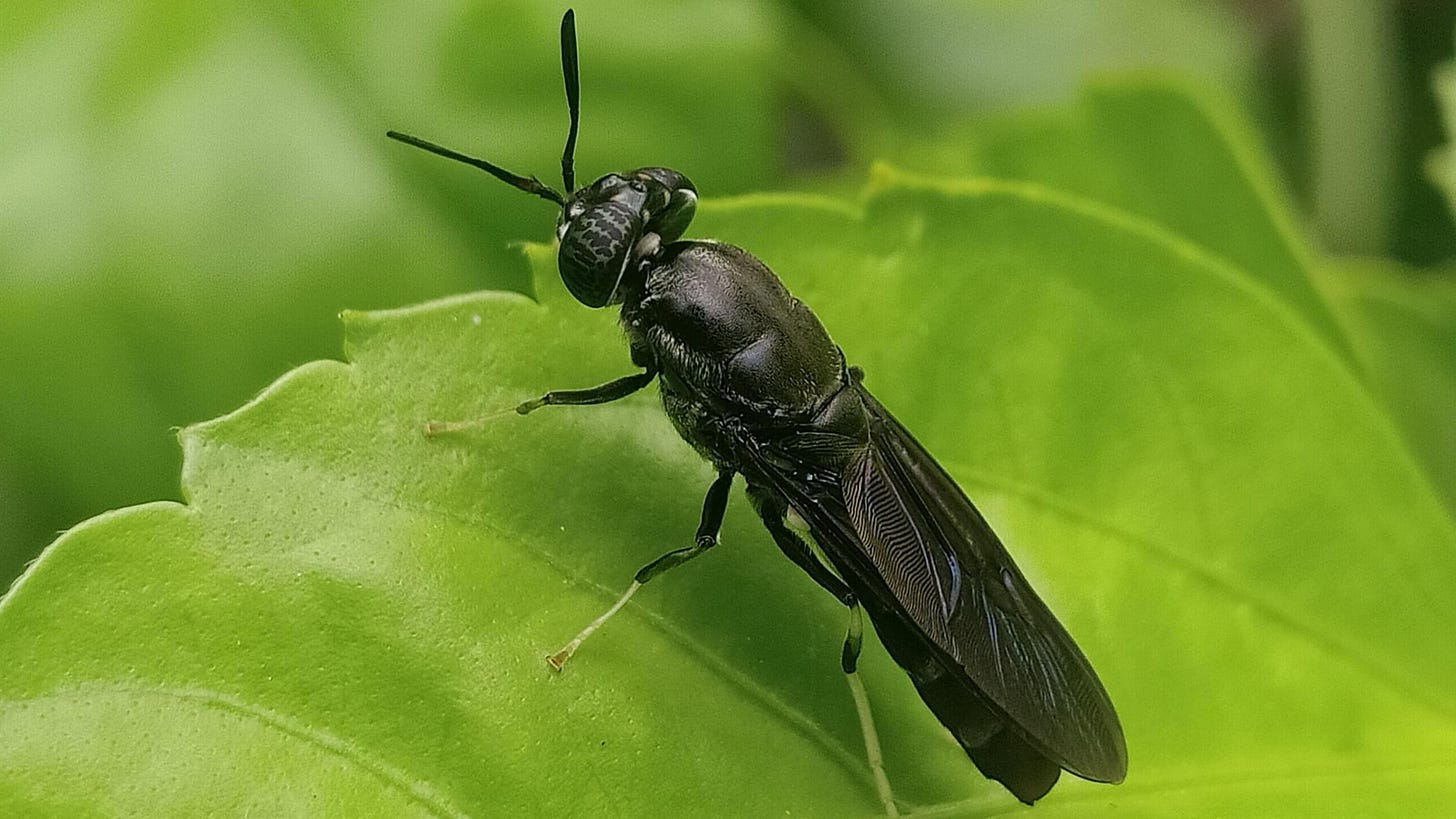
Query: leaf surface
[355, 615]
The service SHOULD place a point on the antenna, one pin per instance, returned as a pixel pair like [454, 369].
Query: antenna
[529, 184]
[571, 73]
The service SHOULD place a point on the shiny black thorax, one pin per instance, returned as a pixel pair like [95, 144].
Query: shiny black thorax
[738, 356]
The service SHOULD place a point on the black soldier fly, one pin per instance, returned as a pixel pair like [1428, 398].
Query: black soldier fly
[752, 381]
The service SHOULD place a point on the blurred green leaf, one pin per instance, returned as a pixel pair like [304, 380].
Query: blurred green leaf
[193, 191]
[1166, 151]
[937, 57]
[348, 617]
[1441, 165]
[1354, 128]
[883, 79]
[1402, 324]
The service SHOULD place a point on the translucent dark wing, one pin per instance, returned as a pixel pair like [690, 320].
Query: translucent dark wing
[913, 519]
[969, 625]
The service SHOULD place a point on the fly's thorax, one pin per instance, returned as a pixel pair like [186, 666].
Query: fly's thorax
[721, 324]
[614, 227]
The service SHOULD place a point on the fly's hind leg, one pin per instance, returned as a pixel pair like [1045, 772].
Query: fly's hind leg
[849, 660]
[714, 505]
[772, 511]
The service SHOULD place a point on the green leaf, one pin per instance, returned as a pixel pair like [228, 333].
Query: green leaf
[192, 193]
[1402, 324]
[940, 56]
[348, 617]
[1441, 165]
[1167, 151]
[882, 79]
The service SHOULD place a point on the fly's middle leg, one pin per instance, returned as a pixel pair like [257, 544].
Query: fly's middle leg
[714, 505]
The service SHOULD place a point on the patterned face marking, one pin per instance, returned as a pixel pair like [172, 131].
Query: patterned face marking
[602, 227]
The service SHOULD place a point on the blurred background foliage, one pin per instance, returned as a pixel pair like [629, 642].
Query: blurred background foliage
[190, 192]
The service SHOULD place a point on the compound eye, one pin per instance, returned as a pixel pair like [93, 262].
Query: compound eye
[637, 186]
[595, 250]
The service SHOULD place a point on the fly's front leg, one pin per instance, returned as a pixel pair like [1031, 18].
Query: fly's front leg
[600, 394]
[714, 505]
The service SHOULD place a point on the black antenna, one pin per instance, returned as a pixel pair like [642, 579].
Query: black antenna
[572, 75]
[529, 184]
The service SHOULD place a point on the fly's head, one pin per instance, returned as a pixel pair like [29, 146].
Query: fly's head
[609, 228]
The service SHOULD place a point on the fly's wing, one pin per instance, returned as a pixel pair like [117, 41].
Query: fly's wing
[937, 553]
[901, 527]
